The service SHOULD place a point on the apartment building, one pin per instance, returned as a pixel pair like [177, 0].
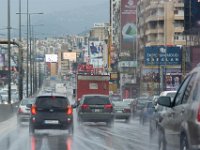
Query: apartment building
[159, 23]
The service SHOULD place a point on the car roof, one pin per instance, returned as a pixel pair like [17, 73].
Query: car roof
[90, 95]
[51, 94]
[166, 92]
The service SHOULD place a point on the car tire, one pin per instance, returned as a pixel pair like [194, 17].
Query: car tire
[161, 141]
[184, 142]
[127, 120]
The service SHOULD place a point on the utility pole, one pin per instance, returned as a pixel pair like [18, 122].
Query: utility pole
[20, 59]
[27, 53]
[9, 66]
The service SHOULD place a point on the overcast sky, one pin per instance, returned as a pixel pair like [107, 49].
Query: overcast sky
[50, 7]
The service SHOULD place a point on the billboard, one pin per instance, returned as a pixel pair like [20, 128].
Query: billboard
[85, 68]
[161, 55]
[128, 25]
[71, 56]
[192, 15]
[96, 49]
[51, 58]
[96, 62]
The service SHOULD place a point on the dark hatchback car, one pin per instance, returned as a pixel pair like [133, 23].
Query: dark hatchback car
[179, 127]
[51, 111]
[95, 108]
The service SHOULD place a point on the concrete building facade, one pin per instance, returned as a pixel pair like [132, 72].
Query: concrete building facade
[159, 23]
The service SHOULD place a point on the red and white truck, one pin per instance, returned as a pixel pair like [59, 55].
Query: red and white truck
[92, 84]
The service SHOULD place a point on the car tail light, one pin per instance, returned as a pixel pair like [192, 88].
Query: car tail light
[33, 110]
[69, 110]
[127, 110]
[198, 114]
[84, 106]
[108, 106]
[20, 110]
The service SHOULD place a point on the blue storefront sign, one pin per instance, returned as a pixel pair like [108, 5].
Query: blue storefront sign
[162, 55]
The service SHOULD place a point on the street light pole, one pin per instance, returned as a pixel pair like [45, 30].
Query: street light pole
[27, 55]
[30, 58]
[20, 59]
[9, 66]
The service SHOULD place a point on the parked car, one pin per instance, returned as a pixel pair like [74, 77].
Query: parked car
[51, 111]
[140, 105]
[159, 112]
[147, 112]
[122, 110]
[23, 113]
[4, 95]
[179, 127]
[95, 108]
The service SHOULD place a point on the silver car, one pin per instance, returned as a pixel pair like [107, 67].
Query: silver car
[23, 113]
[122, 110]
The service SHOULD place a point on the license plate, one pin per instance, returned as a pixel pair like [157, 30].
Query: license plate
[51, 122]
[97, 110]
[119, 111]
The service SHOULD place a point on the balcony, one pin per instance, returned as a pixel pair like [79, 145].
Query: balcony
[154, 31]
[178, 29]
[180, 4]
[179, 42]
[178, 17]
[154, 43]
[154, 18]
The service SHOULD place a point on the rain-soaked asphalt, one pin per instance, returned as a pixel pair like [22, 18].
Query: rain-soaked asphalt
[87, 136]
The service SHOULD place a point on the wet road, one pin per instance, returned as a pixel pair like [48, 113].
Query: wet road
[88, 136]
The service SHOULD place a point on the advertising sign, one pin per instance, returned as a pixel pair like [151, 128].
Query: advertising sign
[71, 56]
[51, 58]
[128, 24]
[127, 64]
[161, 55]
[96, 62]
[85, 68]
[96, 49]
[172, 81]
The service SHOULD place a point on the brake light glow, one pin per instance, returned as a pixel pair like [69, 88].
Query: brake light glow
[198, 114]
[84, 106]
[127, 110]
[20, 110]
[33, 110]
[69, 110]
[108, 106]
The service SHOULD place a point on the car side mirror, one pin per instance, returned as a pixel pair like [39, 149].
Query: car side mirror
[165, 101]
[29, 105]
[75, 105]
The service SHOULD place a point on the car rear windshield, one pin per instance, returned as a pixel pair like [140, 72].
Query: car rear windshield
[96, 100]
[49, 102]
[27, 101]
